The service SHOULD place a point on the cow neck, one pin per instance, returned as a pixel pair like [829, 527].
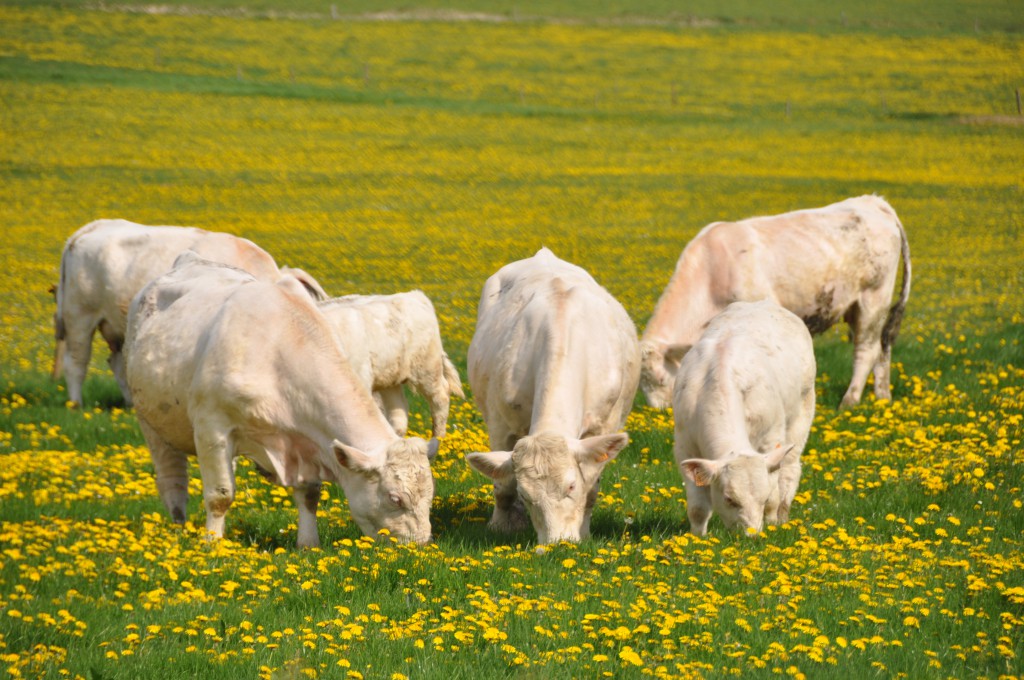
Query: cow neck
[561, 372]
[722, 396]
[345, 410]
[683, 307]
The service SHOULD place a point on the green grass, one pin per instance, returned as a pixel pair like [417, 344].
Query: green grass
[382, 156]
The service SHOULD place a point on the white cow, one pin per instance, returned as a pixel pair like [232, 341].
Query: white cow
[743, 405]
[222, 364]
[394, 340]
[553, 366]
[106, 262]
[825, 264]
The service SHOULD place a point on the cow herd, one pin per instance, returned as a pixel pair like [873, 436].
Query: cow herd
[223, 353]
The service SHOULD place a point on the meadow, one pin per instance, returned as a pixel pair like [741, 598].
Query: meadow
[425, 153]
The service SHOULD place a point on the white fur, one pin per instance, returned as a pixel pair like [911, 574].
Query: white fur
[394, 340]
[553, 366]
[824, 265]
[106, 262]
[743, 404]
[222, 364]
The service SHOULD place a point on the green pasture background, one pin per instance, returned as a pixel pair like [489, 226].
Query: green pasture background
[384, 147]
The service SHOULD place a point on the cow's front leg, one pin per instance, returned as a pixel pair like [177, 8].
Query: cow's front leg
[588, 509]
[213, 448]
[698, 507]
[509, 511]
[307, 498]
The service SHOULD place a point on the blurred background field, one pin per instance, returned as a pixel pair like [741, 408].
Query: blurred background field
[424, 148]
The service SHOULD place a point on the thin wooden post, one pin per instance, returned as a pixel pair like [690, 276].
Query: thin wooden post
[1019, 112]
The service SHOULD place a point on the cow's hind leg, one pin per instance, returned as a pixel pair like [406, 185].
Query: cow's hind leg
[396, 408]
[439, 402]
[215, 453]
[77, 352]
[882, 374]
[171, 468]
[866, 331]
[307, 498]
[116, 361]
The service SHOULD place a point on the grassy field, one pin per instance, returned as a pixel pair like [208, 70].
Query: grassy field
[425, 153]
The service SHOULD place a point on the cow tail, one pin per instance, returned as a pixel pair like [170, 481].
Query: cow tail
[892, 324]
[451, 376]
[59, 330]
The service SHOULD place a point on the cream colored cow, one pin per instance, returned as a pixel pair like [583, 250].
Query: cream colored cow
[743, 405]
[553, 366]
[825, 264]
[106, 262]
[223, 365]
[394, 340]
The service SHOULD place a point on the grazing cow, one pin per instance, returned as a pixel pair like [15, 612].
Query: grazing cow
[553, 366]
[394, 340]
[106, 262]
[743, 404]
[826, 264]
[222, 364]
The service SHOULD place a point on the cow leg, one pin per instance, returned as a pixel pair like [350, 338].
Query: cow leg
[792, 467]
[77, 352]
[171, 468]
[866, 329]
[439, 403]
[396, 408]
[588, 510]
[698, 508]
[882, 374]
[509, 512]
[214, 450]
[307, 498]
[698, 498]
[116, 361]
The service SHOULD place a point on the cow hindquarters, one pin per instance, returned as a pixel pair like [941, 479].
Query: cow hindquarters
[171, 468]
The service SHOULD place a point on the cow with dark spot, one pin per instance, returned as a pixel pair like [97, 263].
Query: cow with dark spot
[822, 264]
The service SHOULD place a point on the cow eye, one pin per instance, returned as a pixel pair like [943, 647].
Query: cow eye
[732, 502]
[396, 499]
[570, 489]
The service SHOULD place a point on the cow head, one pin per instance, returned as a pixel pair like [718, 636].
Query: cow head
[557, 479]
[744, 486]
[392, 490]
[659, 363]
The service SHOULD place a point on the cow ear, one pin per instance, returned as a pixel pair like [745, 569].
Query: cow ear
[674, 353]
[773, 459]
[601, 449]
[494, 464]
[701, 472]
[351, 458]
[311, 285]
